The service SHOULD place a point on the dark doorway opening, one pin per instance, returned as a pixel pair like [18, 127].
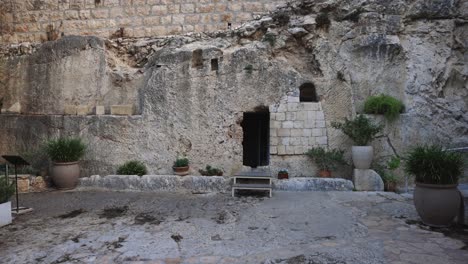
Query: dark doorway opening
[256, 126]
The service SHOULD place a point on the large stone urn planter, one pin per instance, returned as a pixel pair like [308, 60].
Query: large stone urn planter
[437, 205]
[66, 174]
[5, 213]
[362, 156]
[181, 171]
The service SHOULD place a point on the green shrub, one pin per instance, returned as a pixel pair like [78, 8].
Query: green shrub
[384, 105]
[211, 171]
[132, 167]
[6, 190]
[386, 171]
[181, 162]
[432, 165]
[360, 129]
[326, 159]
[65, 149]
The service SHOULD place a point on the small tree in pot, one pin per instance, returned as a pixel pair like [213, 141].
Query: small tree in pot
[181, 166]
[437, 171]
[65, 154]
[326, 160]
[361, 130]
[6, 191]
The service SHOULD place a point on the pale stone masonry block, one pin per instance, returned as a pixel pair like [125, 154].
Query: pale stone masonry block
[301, 115]
[273, 150]
[312, 141]
[100, 110]
[293, 106]
[83, 110]
[15, 108]
[309, 124]
[280, 116]
[311, 106]
[273, 141]
[273, 108]
[293, 99]
[70, 110]
[284, 141]
[311, 115]
[294, 141]
[304, 141]
[159, 10]
[320, 115]
[284, 132]
[290, 150]
[282, 108]
[273, 132]
[298, 150]
[122, 109]
[187, 8]
[291, 116]
[288, 124]
[317, 132]
[319, 123]
[296, 132]
[321, 140]
[306, 132]
[275, 124]
[298, 124]
[281, 150]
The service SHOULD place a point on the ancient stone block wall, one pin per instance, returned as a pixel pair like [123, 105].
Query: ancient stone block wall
[40, 20]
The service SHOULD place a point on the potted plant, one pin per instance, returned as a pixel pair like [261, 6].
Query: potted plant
[132, 167]
[6, 191]
[181, 166]
[326, 160]
[388, 176]
[384, 105]
[65, 154]
[436, 197]
[283, 174]
[211, 171]
[361, 130]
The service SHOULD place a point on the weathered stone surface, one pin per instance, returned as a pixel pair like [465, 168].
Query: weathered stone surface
[313, 184]
[100, 110]
[367, 180]
[122, 110]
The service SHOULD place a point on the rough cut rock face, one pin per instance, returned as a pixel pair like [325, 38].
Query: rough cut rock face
[188, 93]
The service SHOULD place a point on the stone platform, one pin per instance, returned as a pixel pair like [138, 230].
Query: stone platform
[205, 183]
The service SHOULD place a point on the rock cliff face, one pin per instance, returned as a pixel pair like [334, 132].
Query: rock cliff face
[189, 93]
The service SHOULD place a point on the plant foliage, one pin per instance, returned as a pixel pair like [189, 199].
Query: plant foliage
[326, 159]
[433, 165]
[6, 190]
[384, 105]
[211, 171]
[181, 162]
[132, 167]
[360, 129]
[65, 149]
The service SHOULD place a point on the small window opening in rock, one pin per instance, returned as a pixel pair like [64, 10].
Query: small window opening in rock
[308, 93]
[197, 58]
[229, 25]
[97, 2]
[214, 64]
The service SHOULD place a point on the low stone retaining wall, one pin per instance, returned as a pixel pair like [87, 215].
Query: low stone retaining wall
[205, 183]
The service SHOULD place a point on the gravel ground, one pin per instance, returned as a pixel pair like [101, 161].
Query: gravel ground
[160, 227]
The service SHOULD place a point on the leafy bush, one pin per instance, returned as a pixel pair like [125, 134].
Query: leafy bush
[326, 159]
[181, 162]
[386, 171]
[211, 171]
[432, 165]
[132, 167]
[6, 190]
[384, 105]
[65, 149]
[360, 129]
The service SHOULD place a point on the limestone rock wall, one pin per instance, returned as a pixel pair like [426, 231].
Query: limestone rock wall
[190, 92]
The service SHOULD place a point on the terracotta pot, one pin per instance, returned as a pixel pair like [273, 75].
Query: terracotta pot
[437, 205]
[220, 174]
[325, 174]
[181, 171]
[66, 174]
[362, 156]
[282, 176]
[390, 187]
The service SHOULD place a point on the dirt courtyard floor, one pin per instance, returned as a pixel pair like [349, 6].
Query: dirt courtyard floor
[161, 227]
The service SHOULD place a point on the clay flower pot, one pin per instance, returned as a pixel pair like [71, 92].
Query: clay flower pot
[362, 156]
[282, 175]
[181, 171]
[437, 204]
[66, 174]
[325, 174]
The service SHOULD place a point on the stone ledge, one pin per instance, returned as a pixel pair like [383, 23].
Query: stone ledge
[313, 184]
[205, 183]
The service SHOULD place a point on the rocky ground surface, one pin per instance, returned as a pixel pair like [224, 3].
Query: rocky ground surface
[162, 227]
